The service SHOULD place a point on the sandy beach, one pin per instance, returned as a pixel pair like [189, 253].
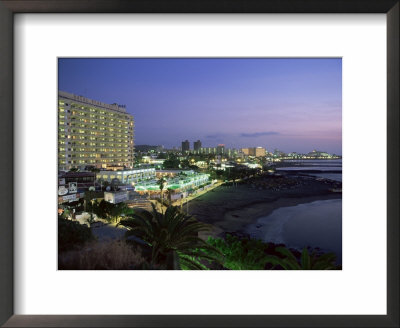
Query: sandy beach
[232, 208]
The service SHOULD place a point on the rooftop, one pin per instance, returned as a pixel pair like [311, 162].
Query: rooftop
[84, 100]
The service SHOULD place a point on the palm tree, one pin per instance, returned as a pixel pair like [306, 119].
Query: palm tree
[115, 183]
[172, 237]
[169, 194]
[117, 210]
[307, 261]
[161, 183]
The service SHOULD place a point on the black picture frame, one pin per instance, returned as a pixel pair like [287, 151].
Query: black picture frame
[10, 7]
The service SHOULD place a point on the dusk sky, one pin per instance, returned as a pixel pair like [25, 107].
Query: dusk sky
[294, 105]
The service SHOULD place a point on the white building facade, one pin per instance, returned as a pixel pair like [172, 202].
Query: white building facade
[92, 133]
[128, 176]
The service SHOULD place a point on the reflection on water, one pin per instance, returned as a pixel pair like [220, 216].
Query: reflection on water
[309, 168]
[316, 224]
[319, 162]
[333, 166]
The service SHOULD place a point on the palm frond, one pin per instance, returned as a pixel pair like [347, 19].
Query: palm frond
[275, 261]
[305, 259]
[190, 263]
[170, 232]
[325, 262]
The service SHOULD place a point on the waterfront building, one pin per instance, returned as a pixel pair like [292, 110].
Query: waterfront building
[294, 155]
[186, 180]
[93, 133]
[127, 176]
[185, 146]
[197, 145]
[252, 165]
[318, 154]
[167, 173]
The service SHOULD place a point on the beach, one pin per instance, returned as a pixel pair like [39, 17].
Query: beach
[232, 208]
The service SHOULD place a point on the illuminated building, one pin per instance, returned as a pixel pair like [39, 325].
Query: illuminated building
[254, 151]
[246, 151]
[259, 152]
[127, 176]
[318, 154]
[93, 133]
[207, 150]
[186, 181]
[232, 152]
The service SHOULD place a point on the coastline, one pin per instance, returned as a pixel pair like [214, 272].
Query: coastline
[232, 209]
[239, 219]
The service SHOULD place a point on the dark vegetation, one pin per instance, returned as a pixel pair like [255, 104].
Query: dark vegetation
[170, 240]
[72, 234]
[108, 211]
[250, 254]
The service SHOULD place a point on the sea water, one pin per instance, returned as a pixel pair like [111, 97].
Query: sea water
[315, 224]
[320, 165]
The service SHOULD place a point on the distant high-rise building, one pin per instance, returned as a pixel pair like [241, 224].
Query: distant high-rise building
[245, 151]
[231, 152]
[259, 152]
[208, 150]
[254, 151]
[220, 149]
[185, 146]
[92, 133]
[197, 145]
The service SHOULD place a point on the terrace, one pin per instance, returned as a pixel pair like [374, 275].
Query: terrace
[178, 183]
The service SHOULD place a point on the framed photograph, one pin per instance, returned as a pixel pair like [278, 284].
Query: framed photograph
[239, 205]
[193, 154]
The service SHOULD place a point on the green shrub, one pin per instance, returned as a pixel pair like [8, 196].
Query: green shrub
[109, 211]
[307, 261]
[241, 254]
[252, 254]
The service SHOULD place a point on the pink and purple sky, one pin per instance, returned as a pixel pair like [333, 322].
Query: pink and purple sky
[291, 104]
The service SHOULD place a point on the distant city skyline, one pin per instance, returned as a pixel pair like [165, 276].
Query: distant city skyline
[294, 105]
[191, 148]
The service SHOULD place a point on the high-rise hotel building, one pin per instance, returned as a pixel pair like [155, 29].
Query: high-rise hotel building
[93, 133]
